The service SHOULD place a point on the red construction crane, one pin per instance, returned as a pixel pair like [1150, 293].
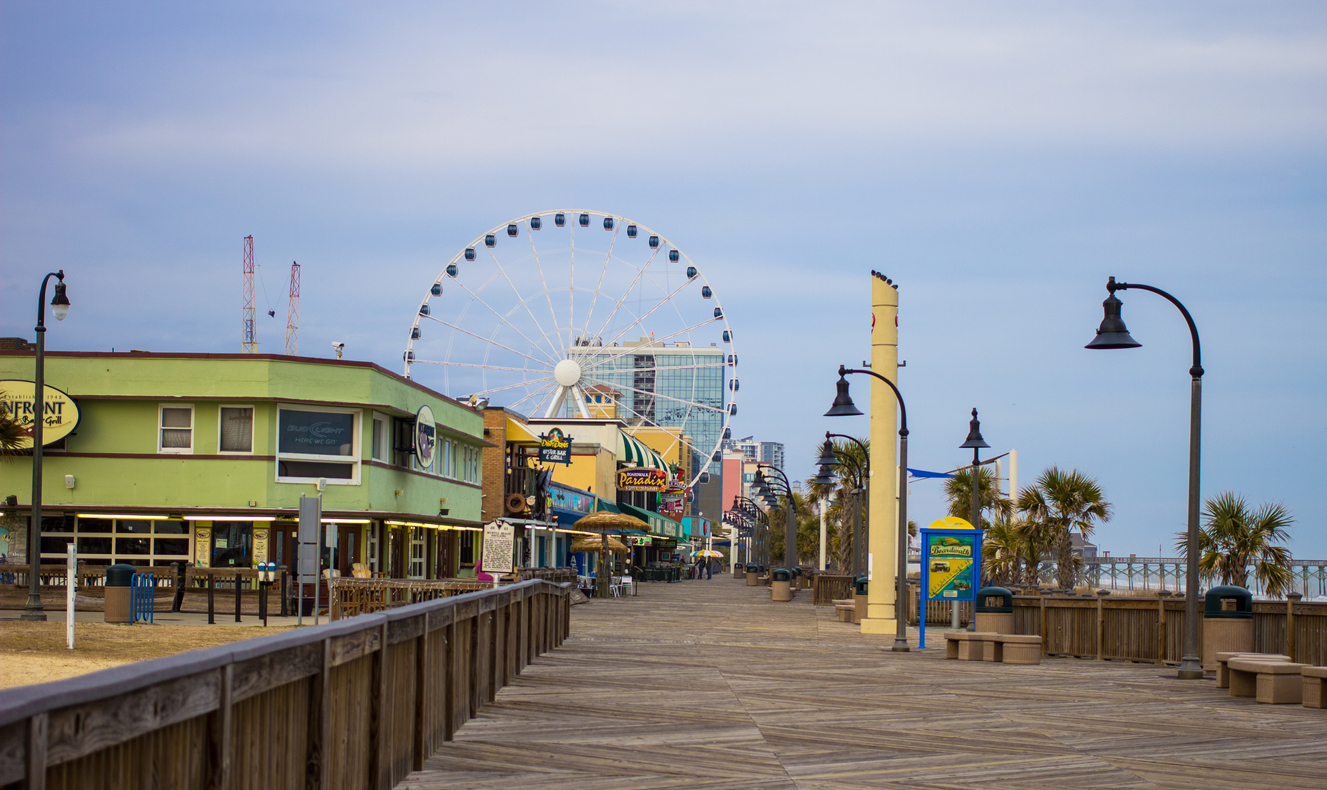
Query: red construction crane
[292, 314]
[249, 332]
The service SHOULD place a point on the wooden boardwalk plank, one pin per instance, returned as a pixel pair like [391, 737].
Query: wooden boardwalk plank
[710, 685]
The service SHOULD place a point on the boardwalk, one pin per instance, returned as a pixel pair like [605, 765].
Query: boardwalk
[707, 685]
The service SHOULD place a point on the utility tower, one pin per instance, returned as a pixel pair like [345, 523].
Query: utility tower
[292, 313]
[249, 342]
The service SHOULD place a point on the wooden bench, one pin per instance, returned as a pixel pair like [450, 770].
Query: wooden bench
[1223, 659]
[1017, 649]
[1271, 682]
[1315, 687]
[975, 646]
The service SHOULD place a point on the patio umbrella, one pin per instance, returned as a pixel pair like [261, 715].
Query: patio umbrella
[605, 520]
[592, 545]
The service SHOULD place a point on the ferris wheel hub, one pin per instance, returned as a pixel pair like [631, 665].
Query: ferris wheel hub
[567, 373]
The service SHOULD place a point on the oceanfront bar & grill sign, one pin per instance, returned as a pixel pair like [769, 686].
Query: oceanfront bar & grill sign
[554, 448]
[60, 412]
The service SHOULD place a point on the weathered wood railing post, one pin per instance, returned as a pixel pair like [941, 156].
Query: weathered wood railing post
[1163, 640]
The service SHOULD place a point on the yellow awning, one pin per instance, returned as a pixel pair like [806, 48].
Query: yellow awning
[519, 433]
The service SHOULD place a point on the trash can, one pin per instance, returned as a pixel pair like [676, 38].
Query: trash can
[739, 571]
[119, 587]
[860, 586]
[1227, 623]
[995, 610]
[752, 575]
[781, 589]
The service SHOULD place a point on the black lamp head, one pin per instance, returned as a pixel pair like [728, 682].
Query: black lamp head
[827, 456]
[60, 302]
[974, 441]
[843, 405]
[1112, 333]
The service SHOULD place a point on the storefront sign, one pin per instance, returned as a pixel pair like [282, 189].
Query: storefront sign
[554, 448]
[60, 413]
[499, 547]
[316, 432]
[642, 480]
[426, 436]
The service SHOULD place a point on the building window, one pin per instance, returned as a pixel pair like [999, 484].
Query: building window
[379, 448]
[236, 430]
[417, 545]
[104, 541]
[313, 444]
[175, 433]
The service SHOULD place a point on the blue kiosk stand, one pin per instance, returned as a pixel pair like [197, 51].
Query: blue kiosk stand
[951, 565]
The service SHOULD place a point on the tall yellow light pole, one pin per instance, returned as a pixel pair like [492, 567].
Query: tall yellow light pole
[882, 527]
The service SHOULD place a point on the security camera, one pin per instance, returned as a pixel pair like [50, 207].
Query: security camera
[338, 348]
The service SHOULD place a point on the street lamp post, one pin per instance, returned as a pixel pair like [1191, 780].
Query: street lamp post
[977, 443]
[790, 520]
[861, 474]
[1113, 334]
[59, 309]
[844, 407]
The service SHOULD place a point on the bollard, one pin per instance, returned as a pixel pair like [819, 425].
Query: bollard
[237, 596]
[284, 587]
[211, 599]
[178, 598]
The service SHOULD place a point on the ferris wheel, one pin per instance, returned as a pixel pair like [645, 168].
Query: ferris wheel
[579, 313]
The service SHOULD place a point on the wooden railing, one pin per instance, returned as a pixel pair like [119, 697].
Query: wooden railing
[350, 597]
[353, 704]
[826, 588]
[555, 575]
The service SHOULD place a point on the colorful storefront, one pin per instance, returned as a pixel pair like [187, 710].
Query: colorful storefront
[202, 458]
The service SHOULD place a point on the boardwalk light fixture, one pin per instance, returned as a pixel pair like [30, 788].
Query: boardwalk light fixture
[844, 407]
[1113, 334]
[784, 487]
[59, 308]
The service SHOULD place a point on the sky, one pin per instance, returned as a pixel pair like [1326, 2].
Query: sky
[997, 160]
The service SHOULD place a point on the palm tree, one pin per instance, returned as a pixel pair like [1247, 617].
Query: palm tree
[1058, 503]
[11, 433]
[959, 491]
[1234, 537]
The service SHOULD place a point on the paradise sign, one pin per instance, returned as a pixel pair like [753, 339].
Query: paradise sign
[642, 480]
[554, 448]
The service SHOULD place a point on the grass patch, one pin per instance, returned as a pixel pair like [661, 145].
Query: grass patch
[37, 652]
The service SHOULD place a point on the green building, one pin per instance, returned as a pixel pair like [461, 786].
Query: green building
[203, 458]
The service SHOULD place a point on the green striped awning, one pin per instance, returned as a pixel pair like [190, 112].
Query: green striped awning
[633, 452]
[663, 527]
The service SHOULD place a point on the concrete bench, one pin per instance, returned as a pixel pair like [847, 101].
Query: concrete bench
[1017, 649]
[1315, 687]
[974, 646]
[1223, 659]
[1272, 682]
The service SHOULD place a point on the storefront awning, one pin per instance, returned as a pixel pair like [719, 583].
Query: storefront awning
[633, 452]
[519, 433]
[663, 527]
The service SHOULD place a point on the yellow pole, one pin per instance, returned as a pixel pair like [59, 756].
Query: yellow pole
[882, 526]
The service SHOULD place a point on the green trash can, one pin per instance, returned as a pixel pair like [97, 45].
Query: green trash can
[861, 585]
[1227, 623]
[995, 610]
[119, 587]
